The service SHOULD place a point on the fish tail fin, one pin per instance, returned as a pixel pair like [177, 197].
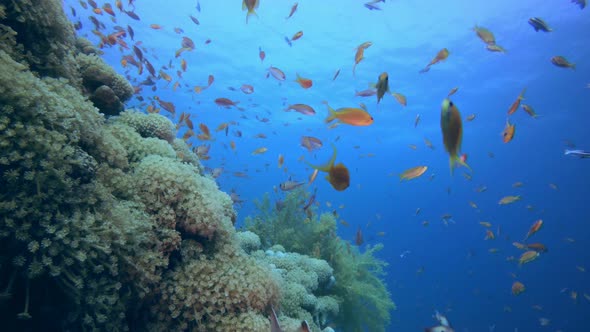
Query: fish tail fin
[331, 113]
[250, 12]
[455, 161]
[452, 165]
[573, 66]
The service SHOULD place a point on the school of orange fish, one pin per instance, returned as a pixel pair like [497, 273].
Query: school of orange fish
[136, 56]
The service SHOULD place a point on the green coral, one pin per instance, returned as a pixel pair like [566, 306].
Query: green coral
[363, 299]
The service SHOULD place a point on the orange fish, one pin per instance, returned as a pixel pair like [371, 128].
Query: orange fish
[183, 64]
[311, 143]
[338, 175]
[108, 9]
[224, 102]
[189, 122]
[210, 80]
[259, 151]
[281, 160]
[247, 89]
[528, 256]
[165, 76]
[489, 235]
[508, 132]
[222, 126]
[440, 56]
[517, 288]
[349, 115]
[305, 83]
[452, 92]
[358, 57]
[206, 134]
[401, 99]
[293, 9]
[156, 26]
[514, 107]
[413, 173]
[534, 228]
[537, 247]
[297, 35]
[168, 106]
[261, 54]
[250, 5]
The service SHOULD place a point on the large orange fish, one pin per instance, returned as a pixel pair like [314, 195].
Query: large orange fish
[305, 83]
[349, 115]
[338, 175]
[534, 228]
[514, 107]
[508, 132]
[452, 130]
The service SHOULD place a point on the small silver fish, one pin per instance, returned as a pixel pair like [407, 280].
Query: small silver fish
[442, 320]
[439, 328]
[290, 185]
[577, 153]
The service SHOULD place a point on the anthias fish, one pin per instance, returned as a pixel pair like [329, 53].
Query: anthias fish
[452, 131]
[338, 175]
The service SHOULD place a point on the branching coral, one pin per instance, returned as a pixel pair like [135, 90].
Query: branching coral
[363, 300]
[301, 278]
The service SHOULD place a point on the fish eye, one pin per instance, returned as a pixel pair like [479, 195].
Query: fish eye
[450, 103]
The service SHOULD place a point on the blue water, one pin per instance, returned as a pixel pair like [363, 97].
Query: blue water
[460, 277]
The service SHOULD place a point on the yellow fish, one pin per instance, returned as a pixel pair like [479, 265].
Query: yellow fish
[259, 151]
[509, 199]
[452, 130]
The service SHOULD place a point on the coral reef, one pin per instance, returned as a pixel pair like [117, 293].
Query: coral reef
[108, 90]
[111, 224]
[43, 37]
[362, 300]
[106, 225]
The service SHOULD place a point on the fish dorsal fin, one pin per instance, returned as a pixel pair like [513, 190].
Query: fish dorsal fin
[274, 322]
